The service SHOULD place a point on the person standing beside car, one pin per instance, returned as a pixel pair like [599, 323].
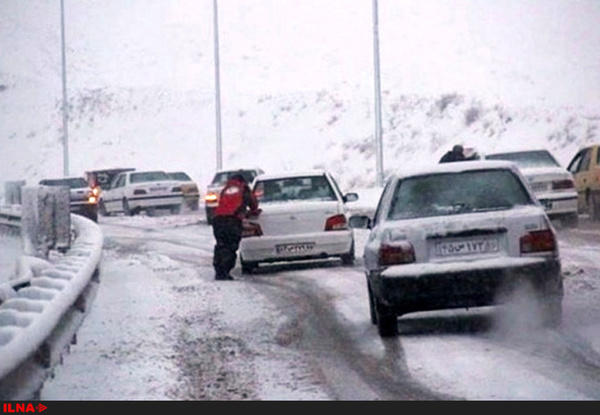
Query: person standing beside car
[236, 202]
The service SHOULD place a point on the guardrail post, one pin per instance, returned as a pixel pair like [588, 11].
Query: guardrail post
[12, 192]
[45, 220]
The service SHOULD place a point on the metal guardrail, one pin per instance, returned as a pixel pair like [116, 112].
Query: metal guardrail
[45, 307]
[10, 216]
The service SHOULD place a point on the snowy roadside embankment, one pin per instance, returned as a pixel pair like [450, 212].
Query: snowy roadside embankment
[32, 316]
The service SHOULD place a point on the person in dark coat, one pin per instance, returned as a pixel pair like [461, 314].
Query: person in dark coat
[236, 202]
[456, 154]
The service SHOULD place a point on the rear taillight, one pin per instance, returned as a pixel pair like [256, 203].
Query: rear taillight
[139, 192]
[538, 241]
[398, 253]
[563, 184]
[336, 223]
[176, 189]
[211, 197]
[250, 229]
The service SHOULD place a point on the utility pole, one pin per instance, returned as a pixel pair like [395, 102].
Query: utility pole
[378, 143]
[217, 86]
[65, 106]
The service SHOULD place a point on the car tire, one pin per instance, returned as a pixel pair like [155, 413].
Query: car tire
[126, 209]
[248, 267]
[594, 206]
[372, 311]
[348, 259]
[387, 325]
[386, 320]
[175, 209]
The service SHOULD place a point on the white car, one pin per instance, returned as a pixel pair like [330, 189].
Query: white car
[459, 235]
[303, 217]
[132, 192]
[552, 184]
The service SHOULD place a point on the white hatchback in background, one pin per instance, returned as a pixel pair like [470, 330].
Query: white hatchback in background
[132, 192]
[303, 217]
[552, 184]
[459, 235]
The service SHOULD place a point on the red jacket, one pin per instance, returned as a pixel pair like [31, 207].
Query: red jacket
[236, 199]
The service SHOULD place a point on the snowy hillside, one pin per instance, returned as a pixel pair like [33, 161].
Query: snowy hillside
[297, 83]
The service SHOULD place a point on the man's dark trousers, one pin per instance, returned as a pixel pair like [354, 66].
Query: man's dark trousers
[228, 234]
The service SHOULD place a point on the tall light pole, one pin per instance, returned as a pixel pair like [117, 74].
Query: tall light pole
[378, 144]
[65, 106]
[217, 86]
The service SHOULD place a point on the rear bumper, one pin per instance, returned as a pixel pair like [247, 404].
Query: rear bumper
[559, 205]
[155, 202]
[478, 285]
[326, 244]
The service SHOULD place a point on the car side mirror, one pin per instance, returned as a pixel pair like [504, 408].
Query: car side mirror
[350, 197]
[359, 222]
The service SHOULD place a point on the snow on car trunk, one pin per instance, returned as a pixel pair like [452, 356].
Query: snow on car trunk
[296, 217]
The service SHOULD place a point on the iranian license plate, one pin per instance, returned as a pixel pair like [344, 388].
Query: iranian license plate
[470, 247]
[294, 249]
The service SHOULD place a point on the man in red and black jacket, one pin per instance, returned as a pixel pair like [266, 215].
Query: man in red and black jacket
[236, 202]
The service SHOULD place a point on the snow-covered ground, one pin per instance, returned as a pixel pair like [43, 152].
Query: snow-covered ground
[196, 338]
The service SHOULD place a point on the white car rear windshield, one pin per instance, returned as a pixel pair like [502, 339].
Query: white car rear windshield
[455, 193]
[527, 159]
[150, 176]
[294, 189]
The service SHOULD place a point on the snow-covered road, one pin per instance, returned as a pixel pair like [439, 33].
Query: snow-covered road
[162, 328]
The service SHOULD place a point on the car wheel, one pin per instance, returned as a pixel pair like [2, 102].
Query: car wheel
[126, 209]
[387, 321]
[372, 311]
[248, 267]
[348, 259]
[387, 325]
[594, 206]
[176, 209]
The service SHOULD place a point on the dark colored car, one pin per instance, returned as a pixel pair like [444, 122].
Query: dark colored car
[83, 197]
